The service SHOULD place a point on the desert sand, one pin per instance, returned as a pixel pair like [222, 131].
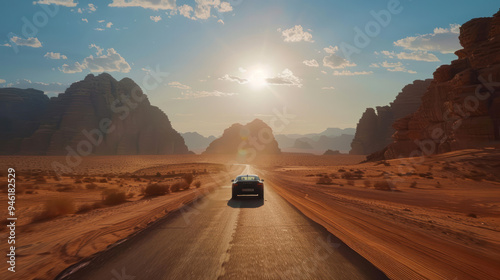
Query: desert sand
[423, 218]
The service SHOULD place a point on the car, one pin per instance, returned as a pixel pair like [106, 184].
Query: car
[248, 184]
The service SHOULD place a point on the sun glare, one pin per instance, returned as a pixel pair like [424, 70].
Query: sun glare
[258, 76]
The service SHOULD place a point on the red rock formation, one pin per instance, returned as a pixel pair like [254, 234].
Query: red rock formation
[461, 107]
[20, 113]
[245, 141]
[102, 116]
[374, 130]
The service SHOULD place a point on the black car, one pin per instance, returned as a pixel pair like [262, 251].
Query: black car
[248, 184]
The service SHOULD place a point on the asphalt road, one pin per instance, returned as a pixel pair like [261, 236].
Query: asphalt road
[219, 238]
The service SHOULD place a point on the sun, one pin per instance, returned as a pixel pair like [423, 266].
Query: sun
[257, 77]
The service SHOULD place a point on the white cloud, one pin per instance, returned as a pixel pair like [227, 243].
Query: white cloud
[416, 55]
[109, 24]
[203, 94]
[349, 73]
[53, 55]
[374, 65]
[221, 21]
[328, 88]
[66, 3]
[225, 7]
[101, 21]
[48, 88]
[236, 79]
[155, 18]
[311, 63]
[186, 11]
[146, 4]
[334, 61]
[203, 8]
[30, 42]
[112, 61]
[285, 78]
[296, 34]
[2, 81]
[99, 29]
[92, 8]
[6, 45]
[179, 85]
[324, 72]
[444, 40]
[85, 20]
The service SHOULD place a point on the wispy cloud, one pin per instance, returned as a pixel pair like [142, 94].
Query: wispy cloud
[236, 79]
[53, 55]
[155, 18]
[204, 94]
[444, 40]
[66, 3]
[349, 73]
[179, 85]
[30, 42]
[416, 55]
[285, 78]
[112, 61]
[335, 61]
[311, 63]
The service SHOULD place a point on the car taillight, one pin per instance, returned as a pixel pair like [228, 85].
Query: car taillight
[235, 184]
[260, 184]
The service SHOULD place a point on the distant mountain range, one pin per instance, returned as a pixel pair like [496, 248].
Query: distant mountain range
[331, 139]
[196, 142]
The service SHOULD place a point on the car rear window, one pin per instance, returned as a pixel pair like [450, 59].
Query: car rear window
[248, 178]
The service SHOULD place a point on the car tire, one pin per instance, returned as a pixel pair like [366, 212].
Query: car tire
[234, 195]
[261, 194]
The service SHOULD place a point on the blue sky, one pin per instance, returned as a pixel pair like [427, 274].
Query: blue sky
[220, 62]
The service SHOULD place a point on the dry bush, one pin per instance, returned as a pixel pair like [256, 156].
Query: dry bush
[130, 195]
[351, 176]
[188, 178]
[103, 180]
[179, 186]
[197, 184]
[413, 185]
[29, 192]
[54, 208]
[383, 186]
[325, 180]
[91, 186]
[40, 180]
[78, 181]
[114, 197]
[472, 215]
[65, 189]
[156, 190]
[84, 208]
[350, 182]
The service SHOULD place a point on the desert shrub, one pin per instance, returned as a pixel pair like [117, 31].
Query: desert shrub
[325, 180]
[130, 195]
[103, 180]
[350, 182]
[65, 189]
[158, 174]
[341, 170]
[188, 178]
[84, 208]
[78, 181]
[29, 192]
[54, 208]
[413, 185]
[197, 184]
[179, 186]
[472, 215]
[351, 176]
[91, 186]
[383, 186]
[368, 184]
[156, 190]
[114, 197]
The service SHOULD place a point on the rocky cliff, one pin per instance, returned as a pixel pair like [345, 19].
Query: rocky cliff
[375, 129]
[461, 107]
[102, 116]
[245, 141]
[197, 142]
[20, 113]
